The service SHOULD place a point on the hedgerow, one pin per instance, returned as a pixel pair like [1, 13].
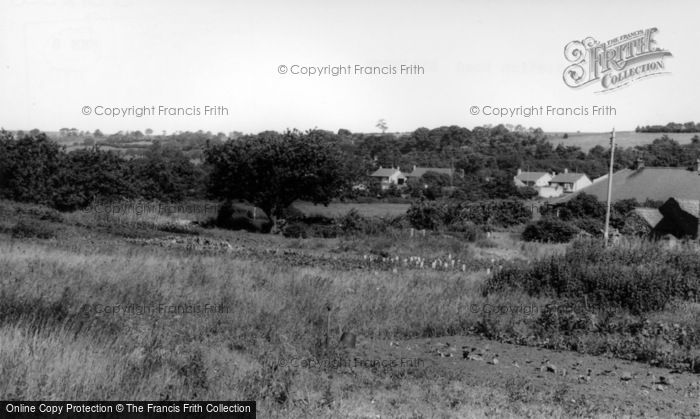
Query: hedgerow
[640, 279]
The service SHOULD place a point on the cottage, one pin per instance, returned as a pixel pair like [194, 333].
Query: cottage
[538, 181]
[532, 179]
[570, 182]
[389, 176]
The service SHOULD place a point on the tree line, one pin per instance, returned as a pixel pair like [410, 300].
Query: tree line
[272, 169]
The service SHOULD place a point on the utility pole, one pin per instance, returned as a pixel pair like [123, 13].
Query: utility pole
[606, 234]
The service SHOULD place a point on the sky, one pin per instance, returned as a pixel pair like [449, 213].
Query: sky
[67, 63]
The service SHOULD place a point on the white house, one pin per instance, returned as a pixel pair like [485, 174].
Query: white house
[570, 182]
[532, 179]
[389, 176]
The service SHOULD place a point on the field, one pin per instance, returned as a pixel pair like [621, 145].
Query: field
[588, 140]
[584, 140]
[104, 307]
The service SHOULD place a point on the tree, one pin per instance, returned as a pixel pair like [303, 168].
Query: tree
[149, 132]
[28, 167]
[381, 124]
[273, 170]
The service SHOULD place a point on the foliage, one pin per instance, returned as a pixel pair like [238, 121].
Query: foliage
[502, 213]
[272, 170]
[549, 230]
[434, 215]
[640, 279]
[35, 169]
[430, 215]
[28, 229]
[239, 216]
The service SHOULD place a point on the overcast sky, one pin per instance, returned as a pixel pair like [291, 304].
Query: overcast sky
[58, 56]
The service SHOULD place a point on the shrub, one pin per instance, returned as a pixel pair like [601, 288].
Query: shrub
[470, 231]
[589, 225]
[434, 215]
[42, 213]
[430, 215]
[295, 230]
[499, 212]
[238, 217]
[324, 231]
[549, 230]
[32, 229]
[581, 206]
[639, 279]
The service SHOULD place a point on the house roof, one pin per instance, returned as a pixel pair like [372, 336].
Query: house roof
[420, 171]
[567, 177]
[531, 176]
[655, 183]
[384, 172]
[652, 216]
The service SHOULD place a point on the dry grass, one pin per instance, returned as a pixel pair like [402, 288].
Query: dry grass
[56, 345]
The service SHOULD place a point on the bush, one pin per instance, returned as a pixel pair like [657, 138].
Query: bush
[430, 215]
[32, 229]
[499, 212]
[324, 231]
[581, 206]
[47, 214]
[638, 279]
[470, 231]
[295, 230]
[591, 226]
[233, 216]
[549, 230]
[434, 215]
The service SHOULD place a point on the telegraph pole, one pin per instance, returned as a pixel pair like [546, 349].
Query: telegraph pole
[606, 234]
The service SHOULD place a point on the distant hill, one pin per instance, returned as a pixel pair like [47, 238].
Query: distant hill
[588, 140]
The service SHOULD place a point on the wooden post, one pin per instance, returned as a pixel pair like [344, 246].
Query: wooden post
[606, 233]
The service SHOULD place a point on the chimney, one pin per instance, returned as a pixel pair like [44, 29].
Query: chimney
[414, 167]
[639, 164]
[566, 170]
[520, 171]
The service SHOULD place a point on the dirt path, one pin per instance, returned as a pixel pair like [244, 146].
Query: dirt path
[613, 387]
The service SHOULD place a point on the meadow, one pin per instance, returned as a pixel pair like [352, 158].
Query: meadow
[588, 140]
[105, 308]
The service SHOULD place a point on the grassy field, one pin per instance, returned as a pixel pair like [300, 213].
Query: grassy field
[588, 140]
[97, 308]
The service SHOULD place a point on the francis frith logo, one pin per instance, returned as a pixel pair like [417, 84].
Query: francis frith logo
[615, 63]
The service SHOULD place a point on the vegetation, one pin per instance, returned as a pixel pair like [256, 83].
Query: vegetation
[274, 310]
[549, 230]
[272, 171]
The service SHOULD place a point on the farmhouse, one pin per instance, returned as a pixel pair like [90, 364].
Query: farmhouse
[646, 183]
[389, 176]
